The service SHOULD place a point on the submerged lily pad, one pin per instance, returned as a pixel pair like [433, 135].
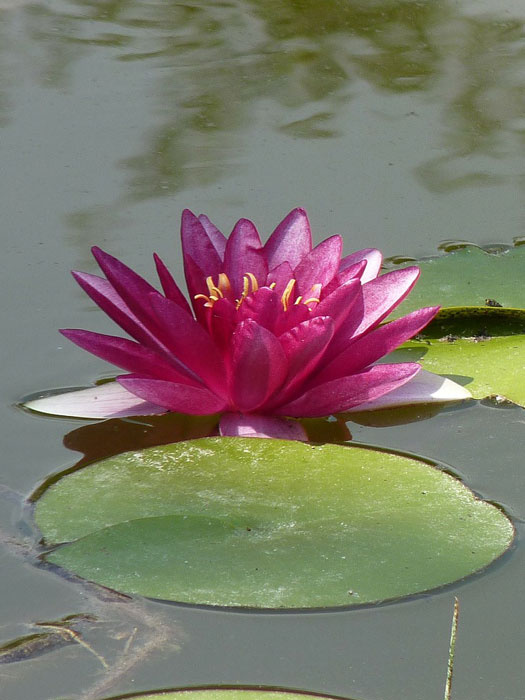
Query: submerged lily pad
[469, 276]
[268, 524]
[223, 693]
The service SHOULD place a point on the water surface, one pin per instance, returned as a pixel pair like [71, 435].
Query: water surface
[397, 124]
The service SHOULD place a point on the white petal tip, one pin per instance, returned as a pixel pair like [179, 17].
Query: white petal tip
[105, 401]
[424, 388]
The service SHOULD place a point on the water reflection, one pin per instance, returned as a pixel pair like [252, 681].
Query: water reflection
[103, 439]
[216, 68]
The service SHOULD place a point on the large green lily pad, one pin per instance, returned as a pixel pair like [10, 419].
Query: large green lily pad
[469, 276]
[228, 694]
[268, 524]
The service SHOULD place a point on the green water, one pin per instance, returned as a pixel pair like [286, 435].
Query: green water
[397, 124]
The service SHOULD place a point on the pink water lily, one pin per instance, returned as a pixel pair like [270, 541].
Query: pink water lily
[275, 331]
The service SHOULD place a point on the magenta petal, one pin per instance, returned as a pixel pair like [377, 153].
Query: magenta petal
[105, 296]
[197, 244]
[169, 286]
[221, 322]
[259, 365]
[280, 276]
[264, 306]
[424, 388]
[342, 394]
[289, 319]
[196, 401]
[243, 254]
[129, 285]
[217, 238]
[105, 401]
[133, 289]
[354, 272]
[340, 302]
[129, 355]
[376, 344]
[196, 283]
[380, 296]
[304, 346]
[371, 256]
[190, 343]
[254, 425]
[384, 293]
[291, 240]
[319, 266]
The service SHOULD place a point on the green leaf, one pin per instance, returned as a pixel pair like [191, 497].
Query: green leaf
[468, 277]
[483, 364]
[268, 524]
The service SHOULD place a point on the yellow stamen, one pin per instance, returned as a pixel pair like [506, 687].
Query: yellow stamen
[202, 296]
[298, 300]
[250, 285]
[286, 294]
[253, 280]
[213, 290]
[316, 295]
[224, 283]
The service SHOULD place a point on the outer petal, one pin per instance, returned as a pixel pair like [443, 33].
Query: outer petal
[319, 266]
[196, 283]
[380, 296]
[255, 425]
[258, 366]
[350, 273]
[190, 343]
[384, 293]
[197, 401]
[132, 288]
[244, 253]
[342, 394]
[290, 241]
[371, 256]
[130, 356]
[339, 303]
[105, 296]
[169, 286]
[217, 238]
[105, 401]
[424, 388]
[197, 243]
[376, 344]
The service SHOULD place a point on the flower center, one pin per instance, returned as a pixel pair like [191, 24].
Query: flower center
[223, 289]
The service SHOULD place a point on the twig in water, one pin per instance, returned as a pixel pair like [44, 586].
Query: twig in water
[451, 650]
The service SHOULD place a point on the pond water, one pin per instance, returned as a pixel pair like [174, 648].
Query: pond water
[398, 124]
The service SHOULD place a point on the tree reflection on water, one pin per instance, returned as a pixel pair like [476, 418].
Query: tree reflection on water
[216, 68]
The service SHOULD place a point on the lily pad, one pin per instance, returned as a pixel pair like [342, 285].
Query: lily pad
[224, 693]
[268, 524]
[469, 276]
[485, 365]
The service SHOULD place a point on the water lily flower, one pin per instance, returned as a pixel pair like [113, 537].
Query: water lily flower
[275, 331]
